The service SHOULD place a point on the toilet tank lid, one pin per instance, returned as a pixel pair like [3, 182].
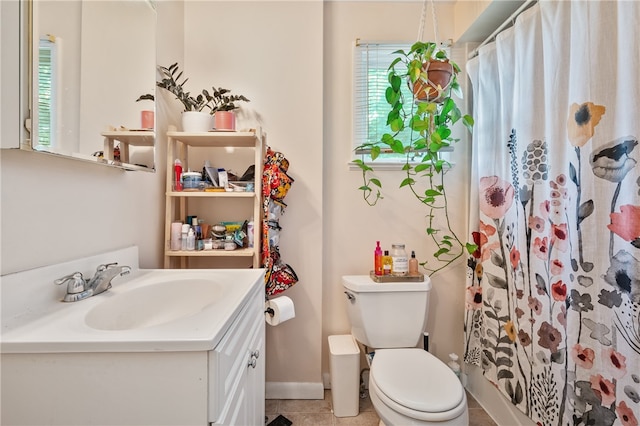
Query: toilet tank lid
[364, 284]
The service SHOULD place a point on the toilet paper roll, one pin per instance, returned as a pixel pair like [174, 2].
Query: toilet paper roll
[282, 308]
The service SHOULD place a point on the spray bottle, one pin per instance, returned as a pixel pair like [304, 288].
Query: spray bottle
[413, 265]
[177, 168]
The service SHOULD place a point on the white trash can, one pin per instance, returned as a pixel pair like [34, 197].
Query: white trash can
[344, 366]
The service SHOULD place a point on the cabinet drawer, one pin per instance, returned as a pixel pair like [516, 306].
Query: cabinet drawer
[228, 361]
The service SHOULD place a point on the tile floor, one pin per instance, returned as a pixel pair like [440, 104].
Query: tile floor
[303, 412]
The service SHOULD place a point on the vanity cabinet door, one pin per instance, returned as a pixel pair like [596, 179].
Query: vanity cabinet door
[237, 369]
[255, 383]
[246, 404]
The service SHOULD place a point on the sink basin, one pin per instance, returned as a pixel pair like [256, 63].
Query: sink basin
[147, 310]
[155, 304]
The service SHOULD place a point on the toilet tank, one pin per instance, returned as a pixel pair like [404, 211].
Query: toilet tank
[386, 315]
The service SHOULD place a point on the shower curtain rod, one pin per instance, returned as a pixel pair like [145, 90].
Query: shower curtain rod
[508, 22]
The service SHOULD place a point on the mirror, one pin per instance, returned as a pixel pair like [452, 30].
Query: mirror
[90, 62]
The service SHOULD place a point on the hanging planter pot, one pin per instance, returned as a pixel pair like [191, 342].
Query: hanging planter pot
[433, 84]
[224, 120]
[196, 121]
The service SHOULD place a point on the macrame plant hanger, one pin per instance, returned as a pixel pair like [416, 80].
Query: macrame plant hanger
[423, 17]
[425, 76]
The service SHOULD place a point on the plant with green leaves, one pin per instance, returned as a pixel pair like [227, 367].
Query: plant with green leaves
[421, 128]
[218, 100]
[170, 81]
[223, 100]
[146, 97]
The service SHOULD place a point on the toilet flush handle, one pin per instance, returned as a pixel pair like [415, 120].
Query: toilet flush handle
[350, 296]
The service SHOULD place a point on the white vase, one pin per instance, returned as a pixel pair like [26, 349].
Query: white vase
[196, 121]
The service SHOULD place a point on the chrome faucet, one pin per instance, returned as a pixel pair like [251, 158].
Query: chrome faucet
[78, 288]
[101, 281]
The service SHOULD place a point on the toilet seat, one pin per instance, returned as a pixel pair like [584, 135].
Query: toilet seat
[416, 384]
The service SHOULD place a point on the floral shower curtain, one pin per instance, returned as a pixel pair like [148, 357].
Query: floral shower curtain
[553, 292]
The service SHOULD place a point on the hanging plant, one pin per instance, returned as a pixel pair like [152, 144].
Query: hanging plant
[429, 113]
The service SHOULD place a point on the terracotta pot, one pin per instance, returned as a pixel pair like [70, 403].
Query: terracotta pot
[146, 120]
[435, 89]
[196, 121]
[224, 120]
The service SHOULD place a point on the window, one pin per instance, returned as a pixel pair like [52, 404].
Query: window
[370, 67]
[47, 91]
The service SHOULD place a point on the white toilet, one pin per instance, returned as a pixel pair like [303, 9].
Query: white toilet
[407, 385]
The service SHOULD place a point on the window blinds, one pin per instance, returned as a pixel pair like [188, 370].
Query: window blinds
[370, 109]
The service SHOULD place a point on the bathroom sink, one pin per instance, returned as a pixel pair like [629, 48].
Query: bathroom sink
[148, 310]
[155, 304]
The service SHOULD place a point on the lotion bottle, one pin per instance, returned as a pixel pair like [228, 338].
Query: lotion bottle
[377, 259]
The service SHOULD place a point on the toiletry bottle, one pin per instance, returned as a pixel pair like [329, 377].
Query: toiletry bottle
[199, 240]
[413, 264]
[176, 232]
[387, 263]
[400, 267]
[191, 240]
[177, 167]
[453, 364]
[183, 236]
[250, 236]
[377, 259]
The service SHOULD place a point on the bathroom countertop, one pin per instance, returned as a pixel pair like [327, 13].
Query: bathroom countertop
[65, 327]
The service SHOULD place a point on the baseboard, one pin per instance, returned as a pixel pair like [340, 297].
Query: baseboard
[294, 390]
[326, 380]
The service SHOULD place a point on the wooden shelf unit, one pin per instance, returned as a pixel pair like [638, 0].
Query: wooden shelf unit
[126, 138]
[178, 203]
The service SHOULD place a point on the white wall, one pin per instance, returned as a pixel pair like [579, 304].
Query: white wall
[271, 52]
[55, 209]
[118, 63]
[351, 226]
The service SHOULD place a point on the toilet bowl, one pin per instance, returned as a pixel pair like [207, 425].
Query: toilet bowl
[412, 387]
[407, 385]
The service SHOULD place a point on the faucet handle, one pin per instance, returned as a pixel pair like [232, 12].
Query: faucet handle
[106, 266]
[75, 282]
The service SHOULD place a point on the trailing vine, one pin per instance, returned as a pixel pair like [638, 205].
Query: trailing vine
[428, 114]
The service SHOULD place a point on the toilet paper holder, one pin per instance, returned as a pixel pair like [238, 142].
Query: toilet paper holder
[279, 310]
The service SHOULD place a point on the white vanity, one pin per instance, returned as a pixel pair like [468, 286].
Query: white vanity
[161, 347]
